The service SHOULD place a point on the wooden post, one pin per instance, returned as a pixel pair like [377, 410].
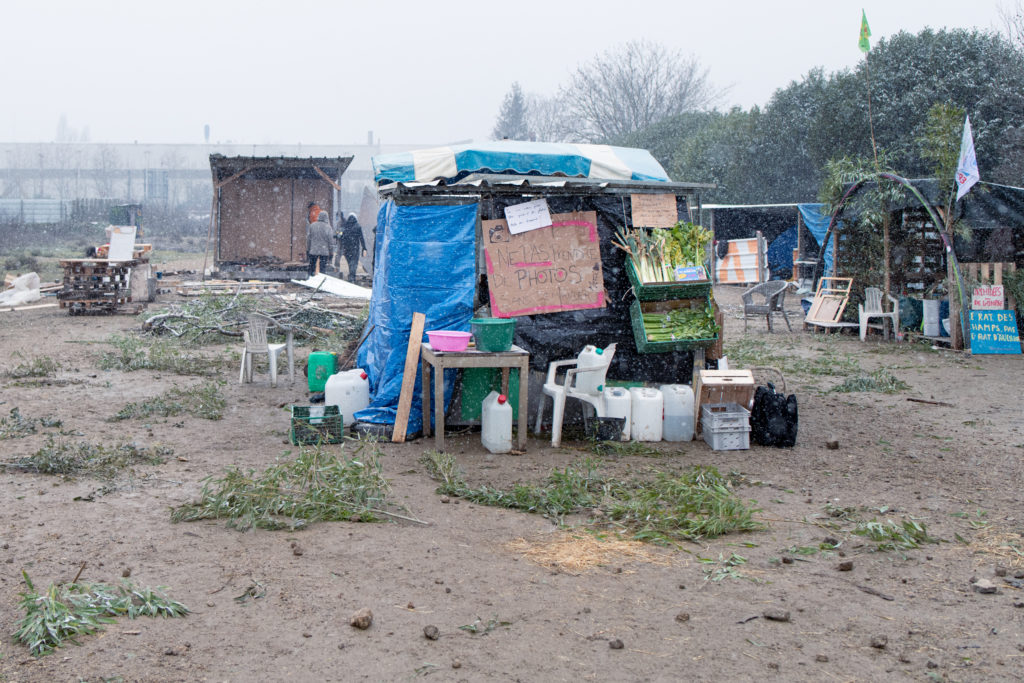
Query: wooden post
[761, 276]
[412, 359]
[886, 220]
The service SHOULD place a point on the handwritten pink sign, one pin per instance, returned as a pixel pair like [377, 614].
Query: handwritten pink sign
[988, 298]
[557, 268]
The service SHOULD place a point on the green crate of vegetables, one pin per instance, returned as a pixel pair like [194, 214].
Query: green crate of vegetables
[682, 325]
[664, 291]
[666, 263]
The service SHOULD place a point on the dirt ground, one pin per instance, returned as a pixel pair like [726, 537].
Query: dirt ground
[896, 615]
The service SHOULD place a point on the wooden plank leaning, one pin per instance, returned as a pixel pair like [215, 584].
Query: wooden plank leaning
[412, 359]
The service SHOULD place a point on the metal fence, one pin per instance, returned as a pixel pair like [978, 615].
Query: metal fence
[31, 211]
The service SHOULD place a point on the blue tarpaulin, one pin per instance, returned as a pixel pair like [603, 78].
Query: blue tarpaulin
[425, 262]
[817, 224]
[518, 158]
[780, 255]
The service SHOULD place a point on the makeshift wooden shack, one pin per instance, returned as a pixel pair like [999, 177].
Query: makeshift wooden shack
[260, 209]
[438, 252]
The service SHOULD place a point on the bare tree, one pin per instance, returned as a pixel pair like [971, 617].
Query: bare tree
[1012, 18]
[546, 118]
[633, 86]
[105, 162]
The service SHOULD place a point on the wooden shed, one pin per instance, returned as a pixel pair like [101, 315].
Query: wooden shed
[260, 210]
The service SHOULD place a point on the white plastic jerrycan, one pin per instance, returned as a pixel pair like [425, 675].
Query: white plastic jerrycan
[496, 423]
[678, 414]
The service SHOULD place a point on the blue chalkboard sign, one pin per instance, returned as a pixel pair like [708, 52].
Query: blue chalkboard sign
[994, 332]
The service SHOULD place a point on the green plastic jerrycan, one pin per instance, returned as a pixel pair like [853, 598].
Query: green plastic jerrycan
[319, 367]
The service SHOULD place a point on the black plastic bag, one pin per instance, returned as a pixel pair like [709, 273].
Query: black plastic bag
[773, 421]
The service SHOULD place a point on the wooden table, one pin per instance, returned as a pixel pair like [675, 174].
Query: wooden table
[440, 361]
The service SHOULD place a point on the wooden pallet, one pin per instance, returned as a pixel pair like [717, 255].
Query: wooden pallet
[228, 287]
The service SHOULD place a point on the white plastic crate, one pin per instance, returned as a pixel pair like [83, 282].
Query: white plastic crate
[725, 426]
[727, 441]
[724, 417]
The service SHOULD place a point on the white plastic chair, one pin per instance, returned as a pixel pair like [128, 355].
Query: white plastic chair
[567, 389]
[256, 344]
[872, 308]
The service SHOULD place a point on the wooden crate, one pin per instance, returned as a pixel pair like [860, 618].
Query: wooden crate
[722, 386]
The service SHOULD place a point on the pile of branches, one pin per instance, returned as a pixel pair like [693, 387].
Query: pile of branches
[210, 318]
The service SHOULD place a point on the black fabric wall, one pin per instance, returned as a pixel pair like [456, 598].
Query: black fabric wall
[557, 336]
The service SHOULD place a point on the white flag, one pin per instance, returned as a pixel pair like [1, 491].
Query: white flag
[967, 167]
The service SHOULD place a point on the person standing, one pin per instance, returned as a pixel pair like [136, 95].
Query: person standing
[319, 244]
[353, 244]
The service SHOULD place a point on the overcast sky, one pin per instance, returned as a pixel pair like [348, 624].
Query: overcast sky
[413, 72]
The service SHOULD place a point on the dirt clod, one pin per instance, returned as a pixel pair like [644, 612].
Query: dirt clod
[431, 632]
[1000, 571]
[683, 617]
[615, 644]
[362, 619]
[445, 499]
[845, 566]
[776, 614]
[880, 642]
[456, 664]
[832, 444]
[786, 559]
[821, 658]
[126, 572]
[984, 586]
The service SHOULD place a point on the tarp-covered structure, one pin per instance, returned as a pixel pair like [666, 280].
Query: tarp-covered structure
[784, 226]
[429, 259]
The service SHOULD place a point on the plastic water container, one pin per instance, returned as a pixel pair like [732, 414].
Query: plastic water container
[677, 422]
[645, 414]
[496, 423]
[350, 391]
[931, 317]
[617, 403]
[590, 357]
[319, 367]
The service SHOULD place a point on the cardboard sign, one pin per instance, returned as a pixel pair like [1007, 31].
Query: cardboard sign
[988, 298]
[994, 332]
[557, 268]
[527, 216]
[654, 210]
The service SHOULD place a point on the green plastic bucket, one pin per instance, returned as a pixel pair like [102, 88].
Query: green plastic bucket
[319, 367]
[493, 334]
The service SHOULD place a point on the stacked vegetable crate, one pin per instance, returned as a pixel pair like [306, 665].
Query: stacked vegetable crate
[683, 302]
[673, 309]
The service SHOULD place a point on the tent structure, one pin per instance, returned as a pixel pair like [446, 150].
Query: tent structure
[784, 226]
[518, 158]
[430, 257]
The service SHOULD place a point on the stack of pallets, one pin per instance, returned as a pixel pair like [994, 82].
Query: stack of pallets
[95, 285]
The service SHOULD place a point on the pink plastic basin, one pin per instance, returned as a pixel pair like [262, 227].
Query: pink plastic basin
[448, 340]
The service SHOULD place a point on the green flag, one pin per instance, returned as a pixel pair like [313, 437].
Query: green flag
[865, 33]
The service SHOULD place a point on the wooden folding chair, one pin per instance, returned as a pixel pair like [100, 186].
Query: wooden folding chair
[829, 303]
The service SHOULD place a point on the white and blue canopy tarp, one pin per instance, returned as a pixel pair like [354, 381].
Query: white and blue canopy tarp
[518, 158]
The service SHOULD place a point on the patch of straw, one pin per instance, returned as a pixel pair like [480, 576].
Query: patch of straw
[576, 553]
[1008, 546]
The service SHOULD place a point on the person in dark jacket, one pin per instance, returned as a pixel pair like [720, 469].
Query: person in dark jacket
[319, 244]
[352, 243]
